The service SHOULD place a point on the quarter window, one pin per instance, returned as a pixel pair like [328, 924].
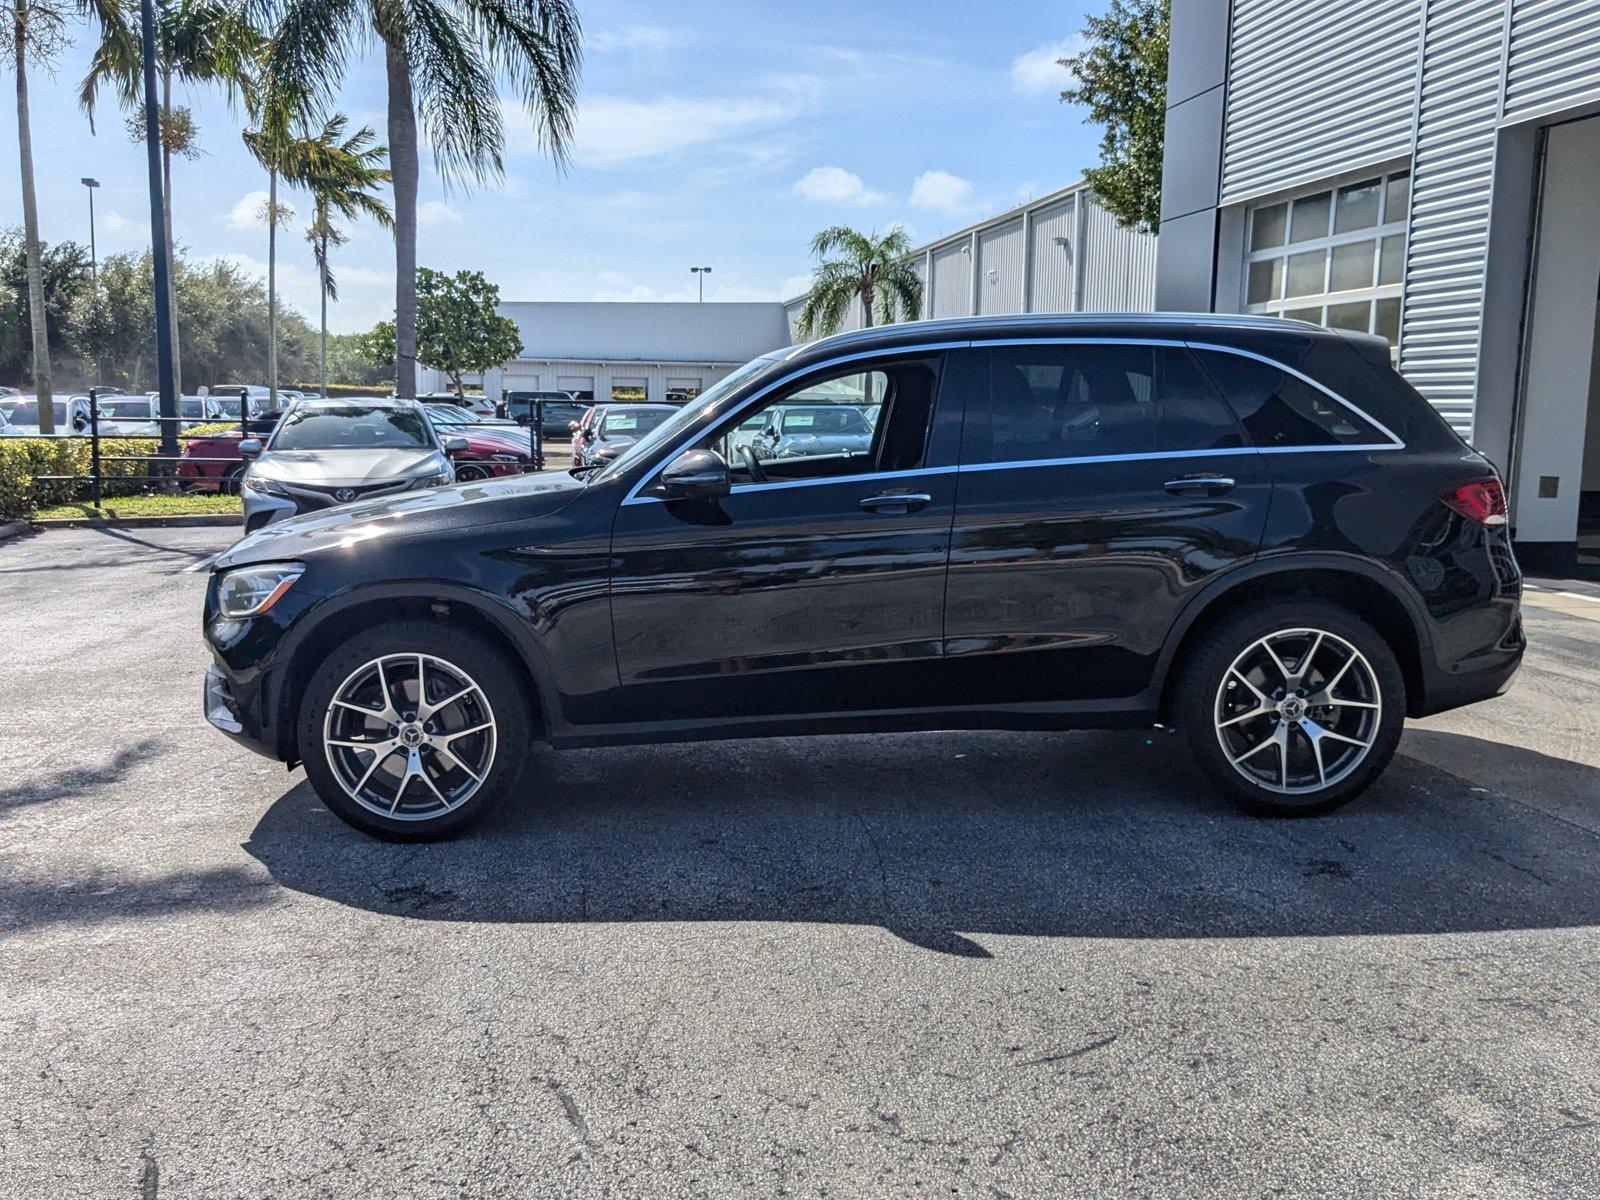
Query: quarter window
[1087, 400]
[1281, 410]
[1333, 258]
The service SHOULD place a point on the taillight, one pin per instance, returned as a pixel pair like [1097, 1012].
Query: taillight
[1482, 501]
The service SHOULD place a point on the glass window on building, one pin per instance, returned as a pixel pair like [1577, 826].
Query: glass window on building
[682, 390]
[625, 390]
[1335, 256]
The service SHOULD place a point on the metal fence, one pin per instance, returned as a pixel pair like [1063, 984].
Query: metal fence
[175, 465]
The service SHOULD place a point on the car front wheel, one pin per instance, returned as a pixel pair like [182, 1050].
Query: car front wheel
[1292, 708]
[413, 731]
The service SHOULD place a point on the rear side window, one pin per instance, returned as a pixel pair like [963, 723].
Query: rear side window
[1279, 409]
[1087, 400]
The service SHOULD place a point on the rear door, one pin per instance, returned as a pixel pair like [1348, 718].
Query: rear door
[1101, 484]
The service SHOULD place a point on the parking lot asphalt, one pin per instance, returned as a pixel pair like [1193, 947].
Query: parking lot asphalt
[965, 964]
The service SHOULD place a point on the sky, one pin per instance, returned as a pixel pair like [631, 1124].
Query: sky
[719, 133]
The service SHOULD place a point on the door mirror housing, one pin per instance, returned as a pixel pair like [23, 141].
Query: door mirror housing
[250, 448]
[456, 445]
[696, 475]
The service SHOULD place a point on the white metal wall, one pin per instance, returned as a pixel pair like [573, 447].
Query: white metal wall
[1552, 57]
[1052, 265]
[1000, 269]
[952, 281]
[1314, 88]
[1120, 270]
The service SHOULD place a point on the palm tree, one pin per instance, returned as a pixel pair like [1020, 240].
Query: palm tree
[197, 41]
[38, 31]
[445, 61]
[343, 184]
[338, 171]
[878, 271]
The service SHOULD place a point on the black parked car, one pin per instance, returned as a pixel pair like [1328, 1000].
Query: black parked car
[1251, 528]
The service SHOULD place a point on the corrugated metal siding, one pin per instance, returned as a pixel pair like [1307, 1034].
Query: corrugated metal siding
[1000, 267]
[1552, 57]
[1119, 265]
[1313, 90]
[1052, 265]
[951, 294]
[1452, 182]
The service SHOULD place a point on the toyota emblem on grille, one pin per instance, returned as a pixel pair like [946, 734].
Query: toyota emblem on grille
[344, 495]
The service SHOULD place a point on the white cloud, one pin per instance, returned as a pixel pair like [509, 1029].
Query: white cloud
[614, 130]
[942, 192]
[1038, 73]
[795, 285]
[636, 39]
[118, 226]
[835, 185]
[437, 212]
[366, 294]
[247, 213]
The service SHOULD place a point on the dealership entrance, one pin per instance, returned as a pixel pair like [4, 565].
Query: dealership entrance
[1556, 490]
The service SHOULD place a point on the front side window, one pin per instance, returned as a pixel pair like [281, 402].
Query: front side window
[1089, 400]
[847, 422]
[1333, 257]
[352, 427]
[1280, 410]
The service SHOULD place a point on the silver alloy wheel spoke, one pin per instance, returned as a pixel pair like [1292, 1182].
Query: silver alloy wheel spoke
[1336, 731]
[446, 768]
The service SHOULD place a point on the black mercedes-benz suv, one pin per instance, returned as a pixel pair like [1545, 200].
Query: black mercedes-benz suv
[1252, 529]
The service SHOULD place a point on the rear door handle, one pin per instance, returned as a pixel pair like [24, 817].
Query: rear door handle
[897, 503]
[1210, 485]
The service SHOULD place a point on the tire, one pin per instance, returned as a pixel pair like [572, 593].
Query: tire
[467, 474]
[229, 486]
[1277, 753]
[433, 778]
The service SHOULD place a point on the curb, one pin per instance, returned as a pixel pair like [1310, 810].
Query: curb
[197, 521]
[12, 528]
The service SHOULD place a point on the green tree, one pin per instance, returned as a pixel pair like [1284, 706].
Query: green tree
[341, 183]
[37, 32]
[446, 61]
[197, 42]
[878, 271]
[1121, 75]
[63, 275]
[458, 329]
[349, 362]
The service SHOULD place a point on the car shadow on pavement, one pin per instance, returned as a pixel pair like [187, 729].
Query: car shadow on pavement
[940, 836]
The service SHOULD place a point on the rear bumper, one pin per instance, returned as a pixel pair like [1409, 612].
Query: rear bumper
[1487, 676]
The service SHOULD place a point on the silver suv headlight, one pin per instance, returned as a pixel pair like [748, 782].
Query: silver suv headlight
[428, 481]
[251, 591]
[265, 486]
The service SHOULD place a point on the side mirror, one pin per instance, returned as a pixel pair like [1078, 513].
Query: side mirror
[456, 445]
[250, 448]
[696, 475]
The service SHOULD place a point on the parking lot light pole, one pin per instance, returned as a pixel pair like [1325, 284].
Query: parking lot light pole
[158, 239]
[94, 262]
[700, 274]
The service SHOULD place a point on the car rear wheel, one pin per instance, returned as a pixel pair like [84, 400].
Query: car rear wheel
[466, 473]
[413, 731]
[1292, 708]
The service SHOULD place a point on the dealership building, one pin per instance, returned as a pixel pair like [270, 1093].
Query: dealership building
[1428, 170]
[1059, 253]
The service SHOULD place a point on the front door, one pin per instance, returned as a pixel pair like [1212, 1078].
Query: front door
[1100, 484]
[817, 585]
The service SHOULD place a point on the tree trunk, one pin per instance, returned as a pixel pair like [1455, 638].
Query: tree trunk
[866, 300]
[403, 166]
[166, 195]
[30, 228]
[322, 354]
[272, 290]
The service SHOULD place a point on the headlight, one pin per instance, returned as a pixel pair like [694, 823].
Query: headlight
[250, 591]
[265, 486]
[506, 457]
[428, 481]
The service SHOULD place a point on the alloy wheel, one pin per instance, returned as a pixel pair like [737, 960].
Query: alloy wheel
[1298, 711]
[409, 736]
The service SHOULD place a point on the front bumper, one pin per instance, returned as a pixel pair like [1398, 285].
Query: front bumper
[238, 712]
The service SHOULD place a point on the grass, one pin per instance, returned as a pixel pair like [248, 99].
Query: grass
[179, 505]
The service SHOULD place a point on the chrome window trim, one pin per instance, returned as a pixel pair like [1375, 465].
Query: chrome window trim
[1395, 443]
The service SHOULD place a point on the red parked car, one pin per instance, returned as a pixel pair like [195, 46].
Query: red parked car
[212, 463]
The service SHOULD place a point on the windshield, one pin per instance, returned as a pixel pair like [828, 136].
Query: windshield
[684, 418]
[126, 410]
[27, 413]
[444, 414]
[352, 427]
[634, 423]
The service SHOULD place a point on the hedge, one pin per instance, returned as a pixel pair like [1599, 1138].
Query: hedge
[22, 459]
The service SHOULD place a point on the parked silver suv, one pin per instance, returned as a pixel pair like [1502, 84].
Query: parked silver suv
[328, 452]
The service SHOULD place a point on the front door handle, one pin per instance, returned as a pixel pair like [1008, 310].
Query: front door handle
[897, 503]
[1209, 485]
